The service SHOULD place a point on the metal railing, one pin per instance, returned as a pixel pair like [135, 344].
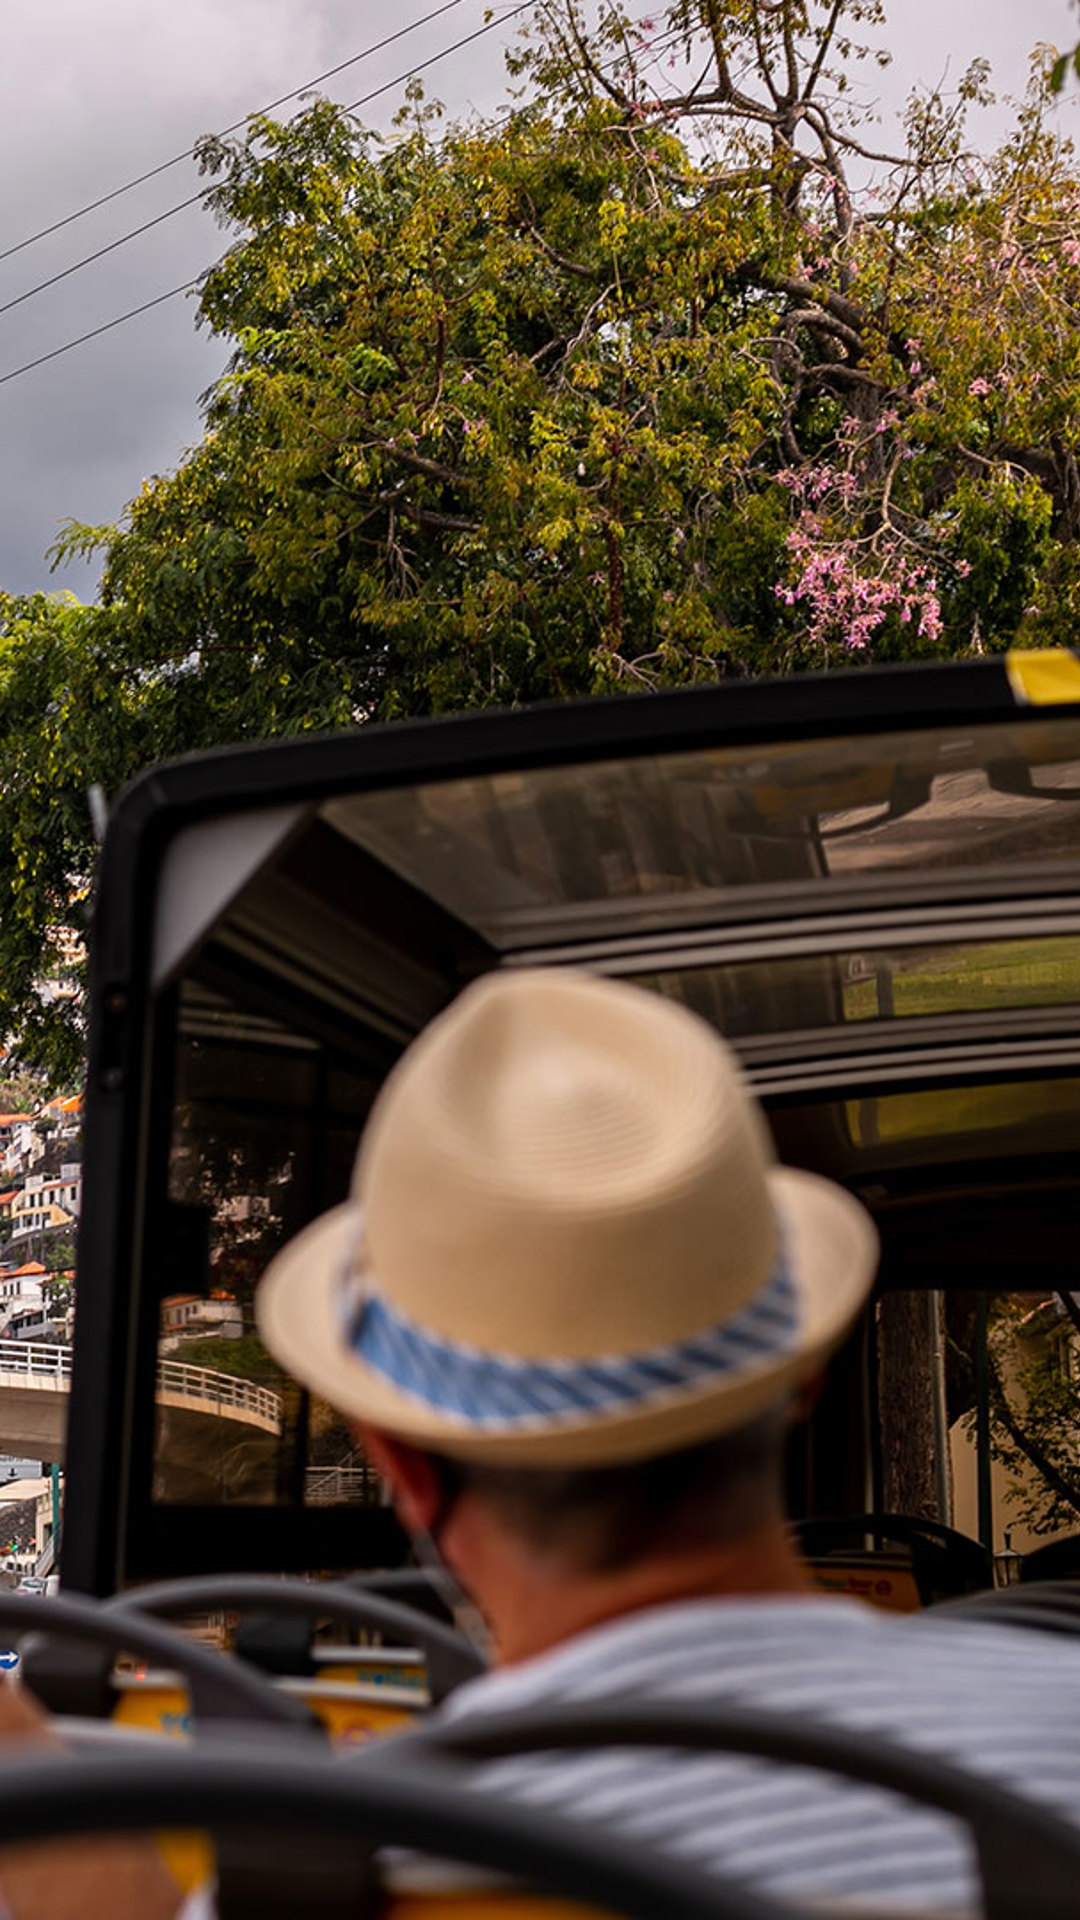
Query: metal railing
[219, 1389]
[42, 1365]
[335, 1486]
[39, 1361]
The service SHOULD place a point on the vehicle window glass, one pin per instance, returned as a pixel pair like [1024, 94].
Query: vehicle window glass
[618, 846]
[263, 1137]
[809, 993]
[973, 1414]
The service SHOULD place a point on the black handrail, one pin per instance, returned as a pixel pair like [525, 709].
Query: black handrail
[298, 1791]
[237, 1690]
[450, 1657]
[1029, 1858]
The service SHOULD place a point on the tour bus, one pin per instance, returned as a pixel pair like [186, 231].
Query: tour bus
[868, 881]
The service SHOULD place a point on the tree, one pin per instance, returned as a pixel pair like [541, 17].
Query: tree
[1035, 1404]
[632, 388]
[673, 372]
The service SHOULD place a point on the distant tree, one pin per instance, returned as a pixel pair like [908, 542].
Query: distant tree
[245, 1358]
[58, 1257]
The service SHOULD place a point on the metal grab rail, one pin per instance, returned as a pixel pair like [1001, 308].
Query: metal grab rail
[43, 1364]
[285, 1787]
[1028, 1854]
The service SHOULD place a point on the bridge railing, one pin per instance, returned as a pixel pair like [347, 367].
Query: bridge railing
[335, 1486]
[37, 1359]
[222, 1389]
[43, 1365]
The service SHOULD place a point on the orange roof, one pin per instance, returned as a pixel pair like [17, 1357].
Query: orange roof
[180, 1299]
[32, 1266]
[14, 1119]
[5, 1197]
[61, 1103]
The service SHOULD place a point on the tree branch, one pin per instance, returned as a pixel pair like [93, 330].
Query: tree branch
[1032, 1452]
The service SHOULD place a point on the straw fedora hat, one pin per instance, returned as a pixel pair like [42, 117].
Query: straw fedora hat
[568, 1242]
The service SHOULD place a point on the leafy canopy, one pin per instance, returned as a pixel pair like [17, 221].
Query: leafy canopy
[674, 371]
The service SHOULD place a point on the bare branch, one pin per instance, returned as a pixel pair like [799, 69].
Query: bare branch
[828, 33]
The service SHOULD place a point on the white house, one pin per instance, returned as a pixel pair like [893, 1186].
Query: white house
[194, 1315]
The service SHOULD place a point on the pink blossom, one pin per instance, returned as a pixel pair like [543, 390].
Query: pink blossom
[842, 603]
[979, 388]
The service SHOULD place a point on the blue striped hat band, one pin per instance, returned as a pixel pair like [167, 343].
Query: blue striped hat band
[495, 1390]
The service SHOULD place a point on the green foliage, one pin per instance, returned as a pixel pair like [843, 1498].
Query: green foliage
[246, 1358]
[1001, 526]
[1035, 1406]
[629, 389]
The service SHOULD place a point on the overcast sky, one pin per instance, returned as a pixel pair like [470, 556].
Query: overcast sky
[91, 96]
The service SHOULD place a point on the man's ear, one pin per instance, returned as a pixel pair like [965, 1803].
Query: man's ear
[411, 1475]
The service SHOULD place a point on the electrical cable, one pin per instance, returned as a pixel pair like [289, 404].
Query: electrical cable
[181, 206]
[94, 332]
[132, 313]
[178, 158]
[525, 6]
[87, 260]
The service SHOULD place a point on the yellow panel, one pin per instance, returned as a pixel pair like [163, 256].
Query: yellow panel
[1045, 677]
[348, 1720]
[351, 1722]
[363, 1672]
[189, 1858]
[164, 1709]
[888, 1586]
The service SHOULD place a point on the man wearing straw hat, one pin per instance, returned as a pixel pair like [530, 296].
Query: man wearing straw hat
[570, 1307]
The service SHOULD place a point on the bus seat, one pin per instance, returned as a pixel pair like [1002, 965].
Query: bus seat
[894, 1560]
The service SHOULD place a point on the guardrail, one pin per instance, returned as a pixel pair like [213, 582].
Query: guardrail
[36, 1359]
[220, 1389]
[42, 1365]
[334, 1486]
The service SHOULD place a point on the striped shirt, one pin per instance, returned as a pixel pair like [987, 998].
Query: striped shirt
[1000, 1701]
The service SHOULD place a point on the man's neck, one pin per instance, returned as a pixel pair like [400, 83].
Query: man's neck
[533, 1603]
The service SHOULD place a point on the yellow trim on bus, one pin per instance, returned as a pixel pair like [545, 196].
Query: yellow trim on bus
[1045, 677]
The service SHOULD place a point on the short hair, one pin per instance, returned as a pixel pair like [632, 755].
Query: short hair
[604, 1519]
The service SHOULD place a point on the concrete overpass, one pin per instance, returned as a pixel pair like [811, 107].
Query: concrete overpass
[205, 1416]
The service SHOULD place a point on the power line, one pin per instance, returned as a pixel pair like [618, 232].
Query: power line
[194, 199]
[160, 299]
[88, 258]
[94, 332]
[177, 159]
[526, 6]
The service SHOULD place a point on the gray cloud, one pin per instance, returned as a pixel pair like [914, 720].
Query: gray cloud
[91, 96]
